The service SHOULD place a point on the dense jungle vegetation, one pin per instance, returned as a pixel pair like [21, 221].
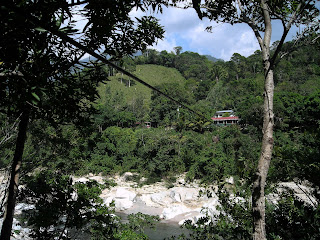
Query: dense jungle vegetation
[182, 142]
[61, 117]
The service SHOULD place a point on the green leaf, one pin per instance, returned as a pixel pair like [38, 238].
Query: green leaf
[40, 29]
[35, 96]
[59, 22]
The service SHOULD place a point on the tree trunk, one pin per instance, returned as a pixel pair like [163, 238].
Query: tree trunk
[14, 178]
[258, 198]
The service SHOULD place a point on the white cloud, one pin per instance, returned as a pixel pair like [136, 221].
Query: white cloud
[166, 44]
[178, 20]
[184, 28]
[245, 44]
[136, 13]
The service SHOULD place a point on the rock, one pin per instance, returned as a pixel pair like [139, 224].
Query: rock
[191, 195]
[146, 199]
[123, 193]
[99, 179]
[304, 193]
[230, 180]
[175, 195]
[23, 207]
[123, 198]
[107, 200]
[186, 194]
[194, 218]
[81, 180]
[161, 198]
[122, 204]
[174, 210]
[211, 207]
[127, 175]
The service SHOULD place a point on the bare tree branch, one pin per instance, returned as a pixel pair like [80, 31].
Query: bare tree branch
[9, 131]
[10, 74]
[285, 33]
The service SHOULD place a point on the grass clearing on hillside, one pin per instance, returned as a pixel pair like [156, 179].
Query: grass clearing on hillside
[152, 74]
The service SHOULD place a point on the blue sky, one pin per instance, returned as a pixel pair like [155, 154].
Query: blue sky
[184, 28]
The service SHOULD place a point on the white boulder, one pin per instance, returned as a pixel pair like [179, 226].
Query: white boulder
[230, 180]
[122, 204]
[80, 180]
[123, 198]
[161, 198]
[174, 210]
[175, 195]
[123, 193]
[211, 207]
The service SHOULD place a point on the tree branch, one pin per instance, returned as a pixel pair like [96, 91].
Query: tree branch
[251, 24]
[36, 23]
[10, 74]
[9, 131]
[267, 23]
[306, 193]
[285, 33]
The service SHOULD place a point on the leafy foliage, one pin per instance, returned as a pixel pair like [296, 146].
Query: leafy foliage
[110, 144]
[63, 210]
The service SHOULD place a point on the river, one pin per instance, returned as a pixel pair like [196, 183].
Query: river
[162, 229]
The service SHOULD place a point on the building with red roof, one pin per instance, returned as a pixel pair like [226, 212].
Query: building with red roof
[225, 117]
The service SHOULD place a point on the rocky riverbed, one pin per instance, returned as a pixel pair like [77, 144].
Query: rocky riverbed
[179, 202]
[173, 205]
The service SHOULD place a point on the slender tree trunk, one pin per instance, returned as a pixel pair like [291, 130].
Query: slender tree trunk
[14, 178]
[258, 197]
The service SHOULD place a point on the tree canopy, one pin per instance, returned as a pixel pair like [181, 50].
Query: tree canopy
[43, 83]
[39, 76]
[258, 15]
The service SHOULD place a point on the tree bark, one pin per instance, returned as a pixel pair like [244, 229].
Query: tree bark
[14, 178]
[258, 197]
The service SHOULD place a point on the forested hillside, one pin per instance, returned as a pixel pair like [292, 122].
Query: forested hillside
[113, 142]
[63, 119]
[183, 142]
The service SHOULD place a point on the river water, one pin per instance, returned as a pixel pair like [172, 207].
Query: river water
[162, 230]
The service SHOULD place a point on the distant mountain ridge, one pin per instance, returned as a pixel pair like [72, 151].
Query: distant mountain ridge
[213, 59]
[139, 53]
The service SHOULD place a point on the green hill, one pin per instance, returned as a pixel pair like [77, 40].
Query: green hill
[152, 74]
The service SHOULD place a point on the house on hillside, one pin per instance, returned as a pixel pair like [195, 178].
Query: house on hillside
[224, 118]
[146, 124]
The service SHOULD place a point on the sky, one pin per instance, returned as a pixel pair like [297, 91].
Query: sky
[184, 28]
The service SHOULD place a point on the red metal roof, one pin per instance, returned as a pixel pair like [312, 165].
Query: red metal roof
[225, 118]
